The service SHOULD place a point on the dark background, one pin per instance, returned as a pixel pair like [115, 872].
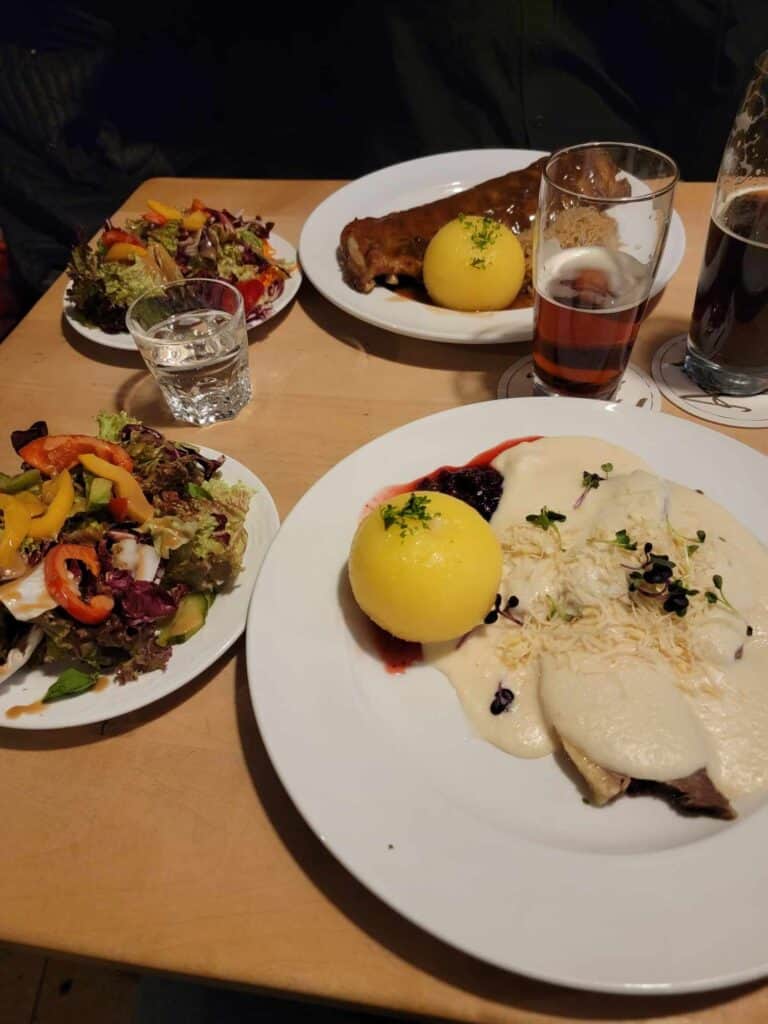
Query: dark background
[95, 98]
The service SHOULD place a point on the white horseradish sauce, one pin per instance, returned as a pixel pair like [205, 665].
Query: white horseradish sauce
[640, 691]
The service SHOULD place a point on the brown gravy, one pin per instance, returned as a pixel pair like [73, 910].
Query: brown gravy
[416, 292]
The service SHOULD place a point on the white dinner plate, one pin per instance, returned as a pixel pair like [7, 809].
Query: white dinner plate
[284, 251]
[496, 855]
[409, 184]
[224, 624]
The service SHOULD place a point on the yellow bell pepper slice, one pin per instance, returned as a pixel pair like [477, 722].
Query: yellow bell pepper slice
[62, 494]
[126, 486]
[195, 220]
[169, 212]
[121, 251]
[16, 519]
[31, 501]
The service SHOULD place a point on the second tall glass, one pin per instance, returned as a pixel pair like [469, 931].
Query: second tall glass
[604, 211]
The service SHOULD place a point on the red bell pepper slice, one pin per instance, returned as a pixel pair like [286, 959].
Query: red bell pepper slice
[64, 590]
[251, 291]
[118, 509]
[56, 452]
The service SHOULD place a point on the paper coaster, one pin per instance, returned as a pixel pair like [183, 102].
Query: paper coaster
[636, 388]
[678, 388]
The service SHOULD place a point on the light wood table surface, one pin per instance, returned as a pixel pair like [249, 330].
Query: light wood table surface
[164, 840]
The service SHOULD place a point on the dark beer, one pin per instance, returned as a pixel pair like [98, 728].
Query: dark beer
[587, 314]
[730, 314]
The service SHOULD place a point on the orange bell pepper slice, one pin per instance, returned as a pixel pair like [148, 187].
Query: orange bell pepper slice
[169, 212]
[120, 252]
[56, 452]
[195, 220]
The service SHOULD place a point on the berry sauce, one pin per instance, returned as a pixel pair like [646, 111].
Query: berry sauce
[479, 485]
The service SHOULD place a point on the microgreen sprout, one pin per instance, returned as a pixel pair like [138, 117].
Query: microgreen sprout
[505, 612]
[591, 481]
[654, 578]
[720, 598]
[546, 519]
[623, 540]
[554, 611]
[692, 544]
[502, 700]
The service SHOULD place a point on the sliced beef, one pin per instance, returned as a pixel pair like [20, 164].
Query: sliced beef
[695, 795]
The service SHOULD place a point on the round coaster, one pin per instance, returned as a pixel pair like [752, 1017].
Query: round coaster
[678, 388]
[636, 388]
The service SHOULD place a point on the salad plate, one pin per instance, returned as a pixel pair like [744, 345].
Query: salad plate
[223, 625]
[410, 184]
[123, 340]
[494, 854]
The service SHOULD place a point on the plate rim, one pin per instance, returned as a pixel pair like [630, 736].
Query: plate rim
[268, 517]
[122, 340]
[518, 324]
[700, 983]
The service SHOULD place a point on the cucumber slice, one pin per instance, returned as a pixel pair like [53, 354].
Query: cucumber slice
[99, 493]
[189, 617]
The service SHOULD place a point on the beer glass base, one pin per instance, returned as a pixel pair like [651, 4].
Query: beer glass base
[715, 379]
[542, 389]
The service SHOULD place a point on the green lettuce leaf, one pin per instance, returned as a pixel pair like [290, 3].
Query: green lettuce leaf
[111, 425]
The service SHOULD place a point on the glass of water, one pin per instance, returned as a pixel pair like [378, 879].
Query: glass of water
[192, 336]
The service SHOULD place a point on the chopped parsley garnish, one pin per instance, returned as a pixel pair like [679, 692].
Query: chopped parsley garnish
[591, 481]
[409, 515]
[483, 232]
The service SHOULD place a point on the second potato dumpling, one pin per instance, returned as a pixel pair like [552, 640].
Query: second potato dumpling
[474, 264]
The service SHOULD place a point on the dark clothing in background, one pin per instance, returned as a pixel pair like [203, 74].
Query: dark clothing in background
[96, 98]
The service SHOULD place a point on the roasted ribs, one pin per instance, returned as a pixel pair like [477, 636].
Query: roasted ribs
[393, 246]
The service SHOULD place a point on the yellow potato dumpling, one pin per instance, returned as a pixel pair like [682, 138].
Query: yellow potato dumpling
[473, 264]
[425, 566]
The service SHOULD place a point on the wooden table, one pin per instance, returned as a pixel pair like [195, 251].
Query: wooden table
[164, 840]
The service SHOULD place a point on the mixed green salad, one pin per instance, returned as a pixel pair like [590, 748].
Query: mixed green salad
[112, 549]
[166, 244]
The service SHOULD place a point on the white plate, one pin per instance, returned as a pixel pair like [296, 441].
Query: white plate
[284, 251]
[409, 184]
[224, 624]
[494, 854]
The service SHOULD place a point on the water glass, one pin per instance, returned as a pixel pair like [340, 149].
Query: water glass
[604, 210]
[192, 336]
[727, 349]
